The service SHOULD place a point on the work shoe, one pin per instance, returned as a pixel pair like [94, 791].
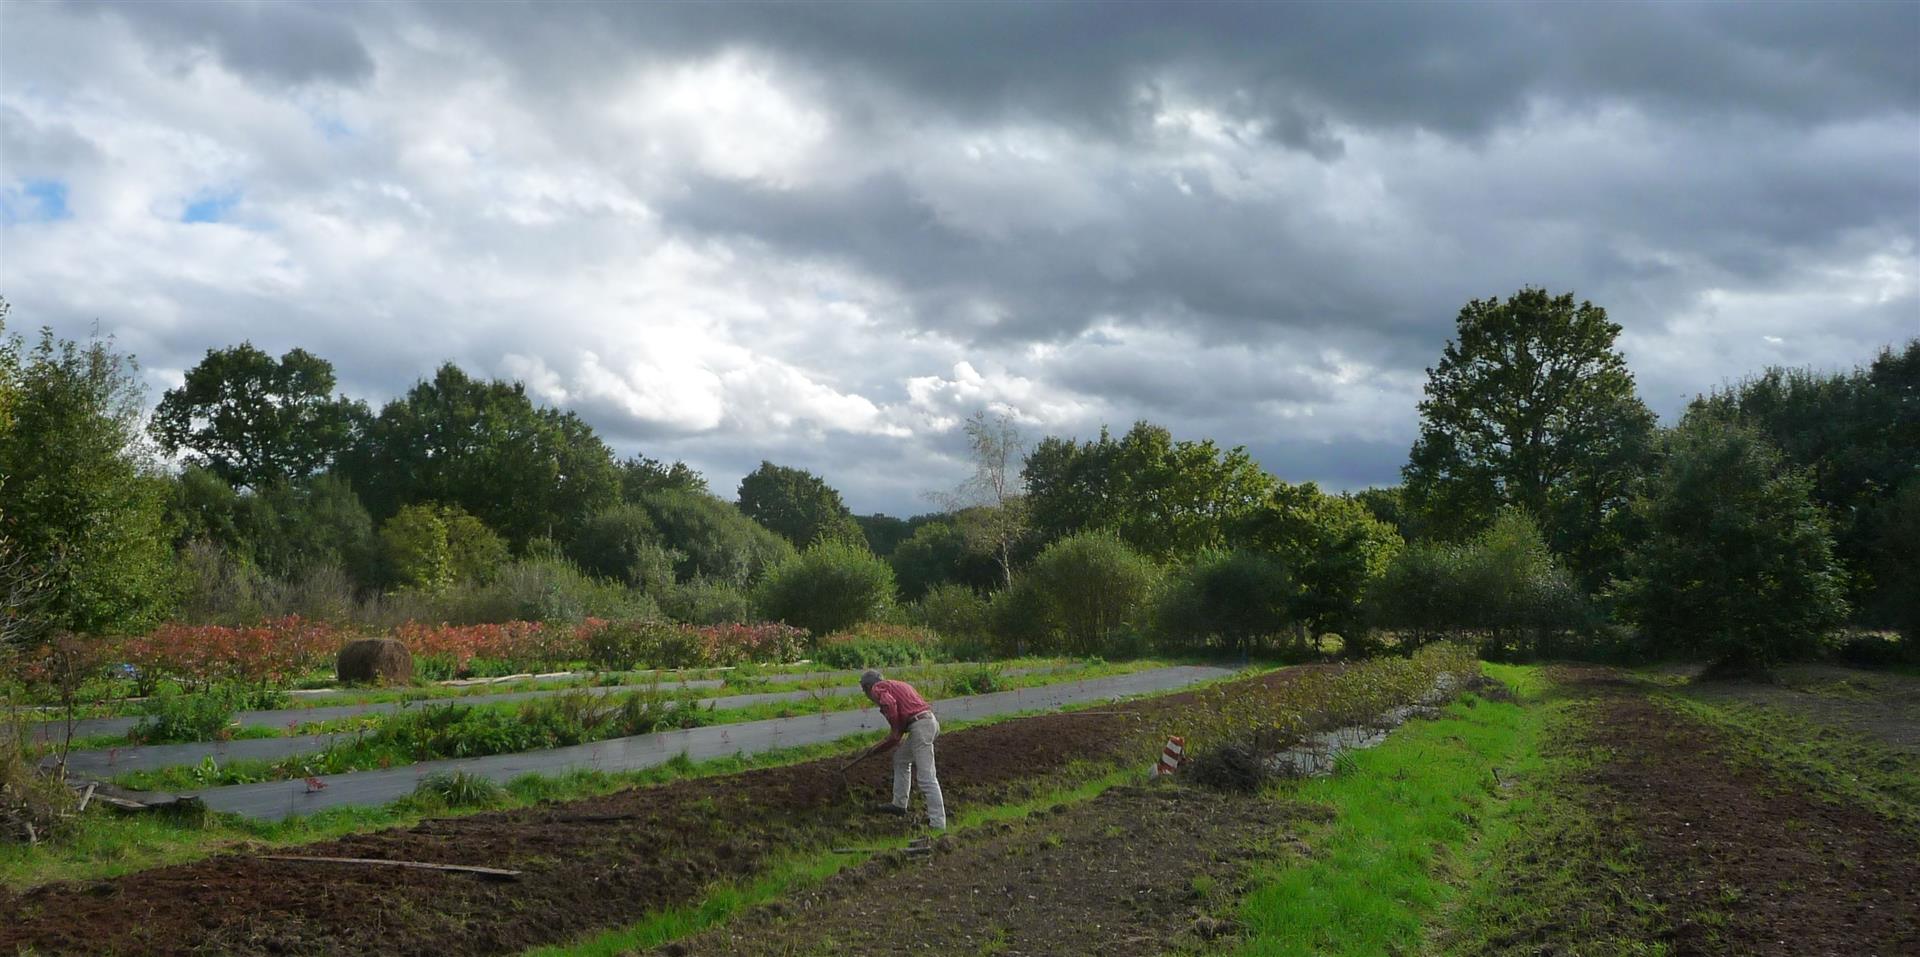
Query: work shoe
[886, 807]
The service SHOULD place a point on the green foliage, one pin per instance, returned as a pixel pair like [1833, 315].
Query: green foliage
[459, 789]
[713, 539]
[961, 617]
[1738, 561]
[252, 420]
[620, 543]
[173, 717]
[977, 679]
[704, 602]
[831, 586]
[538, 589]
[797, 504]
[281, 529]
[1332, 546]
[1504, 590]
[1165, 499]
[431, 547]
[641, 476]
[485, 447]
[1088, 588]
[1235, 601]
[79, 497]
[939, 553]
[1856, 434]
[874, 645]
[626, 645]
[1532, 406]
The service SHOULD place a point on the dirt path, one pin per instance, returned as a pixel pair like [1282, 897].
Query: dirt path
[1745, 862]
[1129, 874]
[588, 864]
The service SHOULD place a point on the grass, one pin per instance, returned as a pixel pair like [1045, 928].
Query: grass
[375, 749]
[1401, 813]
[1837, 763]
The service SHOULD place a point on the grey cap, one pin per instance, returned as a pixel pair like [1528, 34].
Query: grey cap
[869, 678]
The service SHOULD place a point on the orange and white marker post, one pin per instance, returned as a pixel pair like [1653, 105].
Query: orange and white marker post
[1170, 756]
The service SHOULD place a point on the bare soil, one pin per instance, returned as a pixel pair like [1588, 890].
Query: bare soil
[1744, 861]
[589, 864]
[1130, 873]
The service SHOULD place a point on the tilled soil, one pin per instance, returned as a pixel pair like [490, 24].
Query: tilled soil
[1746, 862]
[587, 864]
[1132, 872]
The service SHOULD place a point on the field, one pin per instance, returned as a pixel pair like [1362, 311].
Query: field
[1550, 809]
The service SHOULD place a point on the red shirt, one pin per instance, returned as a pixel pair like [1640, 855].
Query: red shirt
[899, 704]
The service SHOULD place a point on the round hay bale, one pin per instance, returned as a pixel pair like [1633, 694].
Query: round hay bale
[380, 661]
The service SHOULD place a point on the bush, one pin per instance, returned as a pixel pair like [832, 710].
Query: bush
[873, 645]
[982, 679]
[542, 589]
[33, 806]
[1504, 590]
[1738, 561]
[621, 544]
[713, 538]
[831, 586]
[704, 601]
[176, 718]
[1235, 601]
[1091, 588]
[459, 789]
[960, 615]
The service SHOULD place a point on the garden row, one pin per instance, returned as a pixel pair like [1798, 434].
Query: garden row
[277, 654]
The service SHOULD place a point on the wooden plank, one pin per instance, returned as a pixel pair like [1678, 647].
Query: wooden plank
[491, 873]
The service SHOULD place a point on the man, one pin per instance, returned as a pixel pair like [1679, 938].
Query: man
[910, 717]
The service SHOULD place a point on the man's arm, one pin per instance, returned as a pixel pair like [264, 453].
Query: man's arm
[890, 710]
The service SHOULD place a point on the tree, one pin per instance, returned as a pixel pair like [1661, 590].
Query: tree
[1738, 564]
[1165, 499]
[1531, 406]
[713, 539]
[1502, 589]
[621, 543]
[431, 547]
[991, 505]
[80, 497]
[833, 585]
[252, 420]
[1332, 547]
[484, 446]
[797, 504]
[640, 476]
[940, 553]
[1088, 588]
[1235, 598]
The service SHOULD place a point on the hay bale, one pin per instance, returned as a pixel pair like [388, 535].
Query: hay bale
[380, 661]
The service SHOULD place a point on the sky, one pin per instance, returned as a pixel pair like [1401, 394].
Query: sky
[825, 234]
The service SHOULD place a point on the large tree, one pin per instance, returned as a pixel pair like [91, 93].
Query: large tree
[640, 476]
[525, 471]
[80, 498]
[798, 504]
[1531, 406]
[252, 419]
[1738, 562]
[1164, 498]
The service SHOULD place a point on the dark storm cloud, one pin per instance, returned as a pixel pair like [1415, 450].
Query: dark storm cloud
[283, 42]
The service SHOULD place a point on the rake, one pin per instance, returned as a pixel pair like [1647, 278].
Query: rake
[846, 783]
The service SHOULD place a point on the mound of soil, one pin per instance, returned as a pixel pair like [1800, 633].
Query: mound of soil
[1746, 862]
[587, 865]
[1134, 871]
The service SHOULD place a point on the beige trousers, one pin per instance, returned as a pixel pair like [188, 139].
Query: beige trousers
[913, 762]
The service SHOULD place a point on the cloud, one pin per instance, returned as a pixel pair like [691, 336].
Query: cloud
[825, 234]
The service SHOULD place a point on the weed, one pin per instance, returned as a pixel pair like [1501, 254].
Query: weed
[460, 789]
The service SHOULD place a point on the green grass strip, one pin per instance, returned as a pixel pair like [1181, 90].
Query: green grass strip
[1401, 810]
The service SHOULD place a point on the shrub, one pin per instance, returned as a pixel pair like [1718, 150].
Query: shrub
[960, 615]
[460, 789]
[1091, 588]
[176, 718]
[713, 538]
[1232, 600]
[661, 644]
[543, 589]
[621, 544]
[33, 806]
[873, 645]
[1738, 561]
[831, 586]
[704, 601]
[1504, 590]
[450, 651]
[270, 654]
[981, 679]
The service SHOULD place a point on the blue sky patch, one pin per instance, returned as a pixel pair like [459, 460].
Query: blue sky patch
[209, 207]
[34, 201]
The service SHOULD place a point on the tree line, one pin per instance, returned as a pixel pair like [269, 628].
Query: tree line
[1543, 510]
